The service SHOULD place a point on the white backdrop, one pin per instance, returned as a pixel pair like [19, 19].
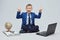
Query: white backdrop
[50, 14]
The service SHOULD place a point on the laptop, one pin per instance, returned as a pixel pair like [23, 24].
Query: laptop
[50, 30]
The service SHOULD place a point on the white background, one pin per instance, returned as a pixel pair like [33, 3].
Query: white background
[50, 14]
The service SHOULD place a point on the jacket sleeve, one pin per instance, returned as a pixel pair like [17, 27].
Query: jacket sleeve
[19, 15]
[38, 16]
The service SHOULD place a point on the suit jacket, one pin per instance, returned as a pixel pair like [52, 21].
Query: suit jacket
[23, 15]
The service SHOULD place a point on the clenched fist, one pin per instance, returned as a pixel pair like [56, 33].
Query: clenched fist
[19, 9]
[40, 10]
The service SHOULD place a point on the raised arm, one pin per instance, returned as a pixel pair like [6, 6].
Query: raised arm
[39, 14]
[19, 15]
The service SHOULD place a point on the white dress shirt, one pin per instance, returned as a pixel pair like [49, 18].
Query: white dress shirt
[28, 19]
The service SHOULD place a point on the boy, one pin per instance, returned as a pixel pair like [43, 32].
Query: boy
[28, 24]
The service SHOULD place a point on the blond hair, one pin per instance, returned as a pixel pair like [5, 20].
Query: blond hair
[8, 23]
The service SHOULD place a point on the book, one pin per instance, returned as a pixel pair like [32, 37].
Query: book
[12, 33]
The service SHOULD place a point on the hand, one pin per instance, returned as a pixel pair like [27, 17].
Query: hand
[19, 9]
[40, 10]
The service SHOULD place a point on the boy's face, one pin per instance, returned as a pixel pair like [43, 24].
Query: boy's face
[29, 8]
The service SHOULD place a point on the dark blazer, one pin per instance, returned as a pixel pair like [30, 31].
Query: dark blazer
[23, 15]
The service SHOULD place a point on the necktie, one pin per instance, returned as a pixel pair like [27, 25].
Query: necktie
[29, 20]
